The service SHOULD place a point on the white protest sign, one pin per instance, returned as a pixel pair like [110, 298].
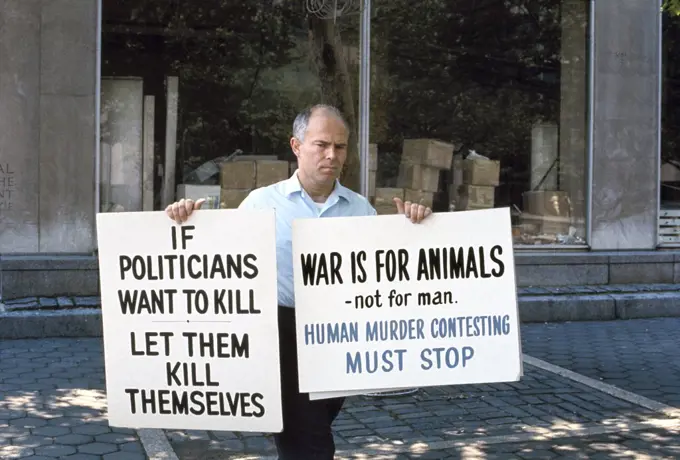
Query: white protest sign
[190, 320]
[382, 303]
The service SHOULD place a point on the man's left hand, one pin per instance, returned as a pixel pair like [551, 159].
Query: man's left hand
[414, 211]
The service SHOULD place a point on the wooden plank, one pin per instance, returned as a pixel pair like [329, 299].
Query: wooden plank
[673, 222]
[669, 213]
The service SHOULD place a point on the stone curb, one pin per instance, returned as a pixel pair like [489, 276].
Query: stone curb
[86, 322]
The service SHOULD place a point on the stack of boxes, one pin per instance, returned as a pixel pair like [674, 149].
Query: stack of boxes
[238, 178]
[474, 183]
[422, 160]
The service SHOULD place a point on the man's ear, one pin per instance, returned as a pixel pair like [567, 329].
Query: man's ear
[295, 146]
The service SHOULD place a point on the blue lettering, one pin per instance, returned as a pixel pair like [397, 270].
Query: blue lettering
[374, 361]
[450, 357]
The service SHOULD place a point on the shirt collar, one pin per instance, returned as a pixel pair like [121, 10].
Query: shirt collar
[292, 185]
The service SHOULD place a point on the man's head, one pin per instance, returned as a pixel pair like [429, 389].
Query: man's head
[320, 137]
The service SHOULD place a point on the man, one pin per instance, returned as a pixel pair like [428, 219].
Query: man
[320, 137]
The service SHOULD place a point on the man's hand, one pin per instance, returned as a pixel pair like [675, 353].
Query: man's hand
[180, 211]
[414, 211]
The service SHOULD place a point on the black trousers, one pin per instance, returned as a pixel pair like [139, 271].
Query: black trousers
[307, 424]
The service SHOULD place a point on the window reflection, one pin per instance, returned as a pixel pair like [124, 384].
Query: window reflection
[198, 98]
[483, 104]
[669, 221]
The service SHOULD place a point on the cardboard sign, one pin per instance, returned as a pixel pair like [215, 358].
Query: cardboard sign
[382, 303]
[190, 320]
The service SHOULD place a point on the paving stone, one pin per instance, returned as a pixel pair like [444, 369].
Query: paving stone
[48, 302]
[73, 439]
[15, 452]
[88, 301]
[631, 354]
[91, 429]
[55, 450]
[132, 447]
[40, 416]
[32, 441]
[65, 302]
[124, 456]
[28, 422]
[97, 448]
[115, 438]
[83, 457]
[21, 300]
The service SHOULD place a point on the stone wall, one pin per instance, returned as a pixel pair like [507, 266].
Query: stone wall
[47, 125]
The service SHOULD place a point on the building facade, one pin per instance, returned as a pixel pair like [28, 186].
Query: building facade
[127, 105]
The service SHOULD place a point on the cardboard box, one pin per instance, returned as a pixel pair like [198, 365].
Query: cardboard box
[232, 198]
[481, 172]
[271, 171]
[372, 157]
[196, 192]
[418, 177]
[472, 197]
[549, 211]
[238, 175]
[429, 152]
[385, 196]
[419, 196]
[386, 210]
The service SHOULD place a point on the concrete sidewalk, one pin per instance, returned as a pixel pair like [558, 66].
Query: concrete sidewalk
[454, 422]
[52, 405]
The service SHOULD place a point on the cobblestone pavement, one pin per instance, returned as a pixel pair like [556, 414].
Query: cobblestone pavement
[641, 356]
[542, 402]
[53, 405]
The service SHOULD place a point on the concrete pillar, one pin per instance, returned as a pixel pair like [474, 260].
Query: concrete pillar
[19, 125]
[626, 124]
[68, 43]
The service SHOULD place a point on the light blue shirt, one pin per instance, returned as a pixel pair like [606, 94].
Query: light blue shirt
[291, 202]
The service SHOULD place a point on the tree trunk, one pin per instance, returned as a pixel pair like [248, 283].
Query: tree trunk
[336, 88]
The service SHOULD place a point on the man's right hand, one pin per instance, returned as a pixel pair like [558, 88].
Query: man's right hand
[180, 211]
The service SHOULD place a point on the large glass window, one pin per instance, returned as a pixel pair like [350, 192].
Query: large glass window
[480, 104]
[669, 221]
[199, 97]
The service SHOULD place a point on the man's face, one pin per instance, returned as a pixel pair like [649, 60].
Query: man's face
[323, 152]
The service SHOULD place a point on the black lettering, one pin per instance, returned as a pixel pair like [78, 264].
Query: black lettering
[125, 264]
[190, 266]
[308, 268]
[494, 253]
[173, 235]
[336, 264]
[217, 268]
[471, 266]
[482, 260]
[423, 272]
[132, 392]
[456, 263]
[256, 400]
[435, 264]
[249, 261]
[186, 236]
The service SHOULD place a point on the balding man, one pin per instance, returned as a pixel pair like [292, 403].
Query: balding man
[320, 138]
